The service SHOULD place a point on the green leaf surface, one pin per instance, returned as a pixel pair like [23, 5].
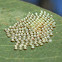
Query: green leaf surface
[10, 12]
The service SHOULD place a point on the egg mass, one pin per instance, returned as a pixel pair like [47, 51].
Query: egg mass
[33, 30]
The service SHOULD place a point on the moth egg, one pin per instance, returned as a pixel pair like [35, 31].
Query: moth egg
[36, 14]
[39, 41]
[20, 47]
[10, 27]
[41, 11]
[25, 47]
[35, 41]
[22, 42]
[50, 40]
[51, 33]
[48, 14]
[40, 15]
[44, 12]
[9, 35]
[48, 36]
[19, 38]
[15, 46]
[32, 46]
[5, 29]
[41, 44]
[37, 45]
[43, 40]
[43, 16]
[34, 35]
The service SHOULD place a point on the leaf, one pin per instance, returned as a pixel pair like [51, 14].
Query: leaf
[12, 11]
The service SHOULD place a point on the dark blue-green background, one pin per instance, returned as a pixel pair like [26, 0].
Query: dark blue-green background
[53, 5]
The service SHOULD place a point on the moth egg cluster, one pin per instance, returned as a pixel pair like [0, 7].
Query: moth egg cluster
[34, 30]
